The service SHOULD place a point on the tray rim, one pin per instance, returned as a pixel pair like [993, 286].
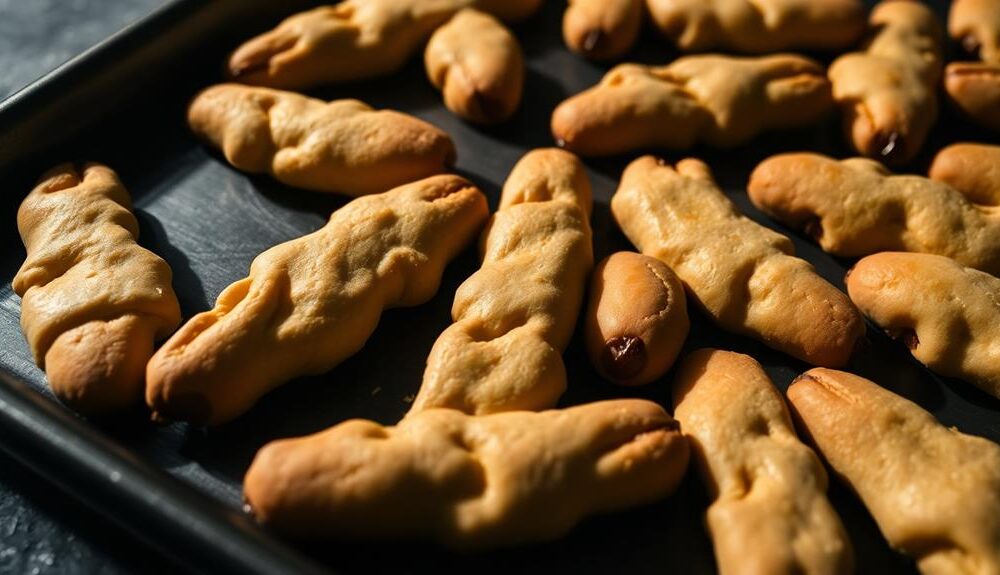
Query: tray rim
[169, 516]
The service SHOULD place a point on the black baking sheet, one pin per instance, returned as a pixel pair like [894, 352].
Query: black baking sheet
[123, 105]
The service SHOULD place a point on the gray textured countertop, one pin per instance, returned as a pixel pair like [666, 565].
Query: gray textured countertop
[40, 530]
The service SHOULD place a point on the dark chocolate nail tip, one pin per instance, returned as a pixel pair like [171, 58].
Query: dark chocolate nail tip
[906, 336]
[624, 357]
[490, 109]
[910, 339]
[971, 45]
[593, 40]
[888, 146]
[814, 228]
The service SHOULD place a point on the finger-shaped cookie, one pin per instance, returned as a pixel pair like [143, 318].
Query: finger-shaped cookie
[857, 207]
[947, 314]
[976, 25]
[718, 100]
[602, 29]
[974, 88]
[352, 40]
[888, 91]
[743, 275]
[934, 492]
[478, 66]
[972, 169]
[759, 26]
[468, 481]
[637, 319]
[341, 146]
[310, 303]
[93, 300]
[769, 512]
[515, 315]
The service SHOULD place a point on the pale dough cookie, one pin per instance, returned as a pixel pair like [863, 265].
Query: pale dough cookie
[352, 40]
[310, 303]
[769, 512]
[341, 146]
[974, 87]
[947, 314]
[637, 319]
[602, 29]
[857, 207]
[934, 492]
[93, 301]
[468, 481]
[718, 100]
[976, 24]
[888, 92]
[759, 26]
[515, 316]
[972, 169]
[478, 65]
[743, 275]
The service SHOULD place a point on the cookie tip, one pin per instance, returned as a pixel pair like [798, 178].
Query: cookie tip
[889, 146]
[593, 41]
[624, 357]
[814, 228]
[971, 46]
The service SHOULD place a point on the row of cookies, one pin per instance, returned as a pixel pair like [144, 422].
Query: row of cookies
[354, 40]
[887, 91]
[470, 55]
[940, 299]
[762, 477]
[477, 462]
[473, 470]
[275, 307]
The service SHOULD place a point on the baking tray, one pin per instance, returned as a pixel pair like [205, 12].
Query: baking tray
[177, 487]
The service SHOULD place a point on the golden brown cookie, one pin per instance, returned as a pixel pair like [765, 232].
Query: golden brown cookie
[759, 26]
[352, 40]
[974, 87]
[341, 146]
[769, 512]
[515, 316]
[947, 314]
[972, 169]
[976, 25]
[468, 481]
[93, 301]
[602, 29]
[934, 492]
[857, 207]
[888, 91]
[310, 303]
[718, 100]
[743, 275]
[478, 66]
[637, 319]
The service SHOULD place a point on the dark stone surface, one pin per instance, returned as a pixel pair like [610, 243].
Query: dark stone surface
[38, 35]
[40, 530]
